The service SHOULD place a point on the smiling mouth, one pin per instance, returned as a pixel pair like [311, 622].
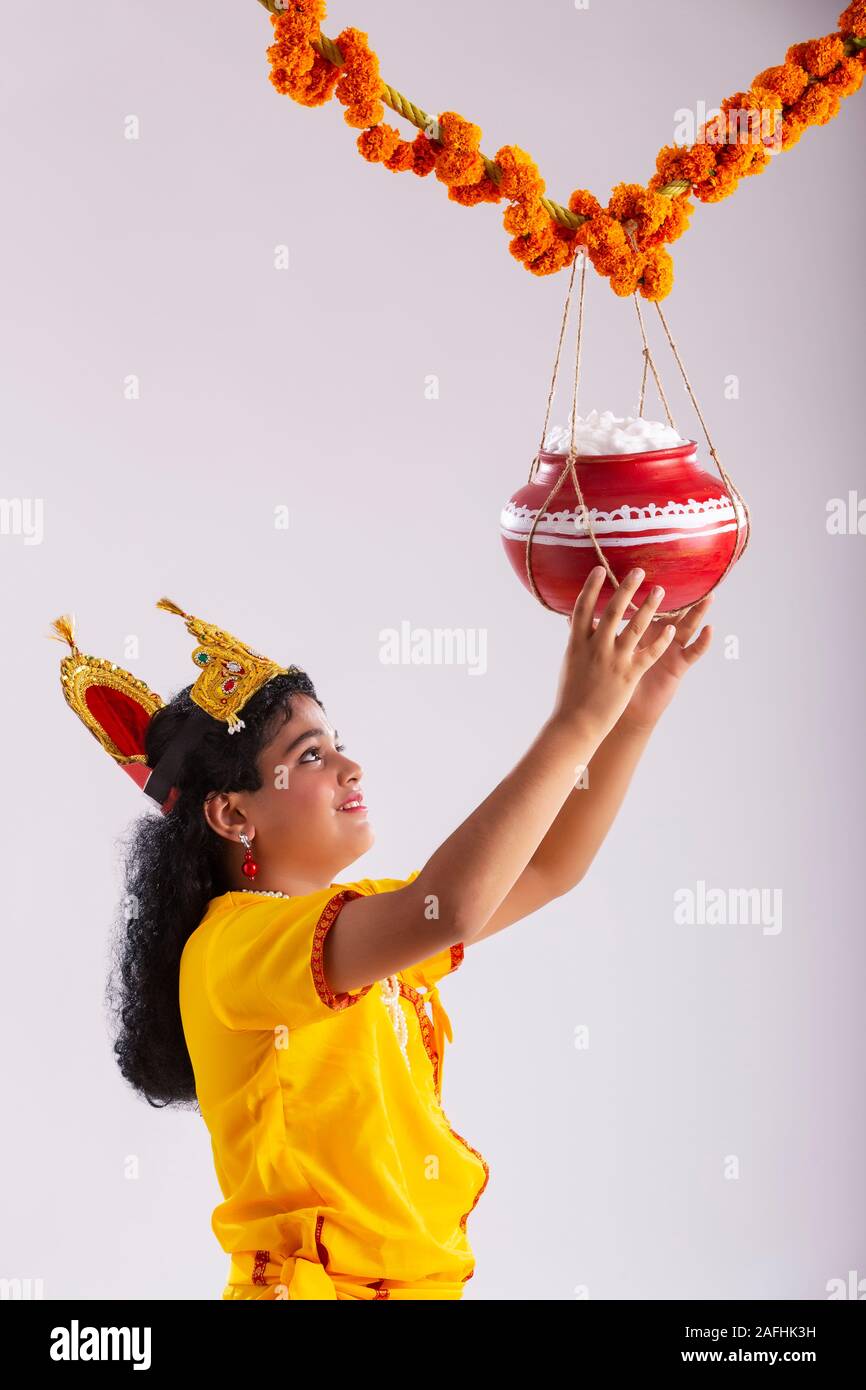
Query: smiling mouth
[353, 806]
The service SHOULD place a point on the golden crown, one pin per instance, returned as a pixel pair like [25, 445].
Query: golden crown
[231, 672]
[117, 707]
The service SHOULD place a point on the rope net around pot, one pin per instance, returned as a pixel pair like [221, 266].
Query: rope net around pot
[568, 467]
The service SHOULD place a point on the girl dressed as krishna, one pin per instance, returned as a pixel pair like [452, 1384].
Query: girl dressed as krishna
[289, 1004]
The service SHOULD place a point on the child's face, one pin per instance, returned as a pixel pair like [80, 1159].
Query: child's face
[298, 826]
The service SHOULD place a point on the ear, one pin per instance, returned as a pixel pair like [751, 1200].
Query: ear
[225, 817]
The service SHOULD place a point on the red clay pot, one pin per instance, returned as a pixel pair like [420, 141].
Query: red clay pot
[657, 510]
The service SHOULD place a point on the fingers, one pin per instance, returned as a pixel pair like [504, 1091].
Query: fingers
[650, 655]
[699, 646]
[618, 602]
[689, 623]
[581, 616]
[685, 626]
[637, 626]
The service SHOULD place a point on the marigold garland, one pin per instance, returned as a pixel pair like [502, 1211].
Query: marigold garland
[625, 240]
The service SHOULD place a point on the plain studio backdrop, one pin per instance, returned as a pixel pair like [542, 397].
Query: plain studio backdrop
[668, 1109]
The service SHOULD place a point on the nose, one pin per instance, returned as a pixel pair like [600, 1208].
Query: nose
[353, 769]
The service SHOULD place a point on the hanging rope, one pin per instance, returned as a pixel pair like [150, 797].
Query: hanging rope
[648, 358]
[582, 511]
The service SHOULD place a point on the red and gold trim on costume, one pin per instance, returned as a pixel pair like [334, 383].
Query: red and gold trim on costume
[432, 1038]
[323, 926]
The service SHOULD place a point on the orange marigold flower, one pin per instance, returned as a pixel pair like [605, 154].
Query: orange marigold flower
[301, 20]
[359, 83]
[752, 116]
[423, 155]
[714, 133]
[560, 253]
[378, 143]
[469, 195]
[846, 78]
[612, 262]
[677, 220]
[584, 203]
[456, 167]
[321, 82]
[675, 162]
[714, 189]
[568, 235]
[764, 98]
[853, 20]
[739, 101]
[792, 130]
[787, 80]
[540, 241]
[401, 159]
[626, 277]
[737, 161]
[604, 235]
[527, 248]
[631, 202]
[524, 215]
[817, 56]
[456, 133]
[519, 173]
[297, 70]
[818, 105]
[658, 274]
[311, 88]
[457, 159]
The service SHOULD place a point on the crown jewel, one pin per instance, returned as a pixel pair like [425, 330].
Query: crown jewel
[231, 672]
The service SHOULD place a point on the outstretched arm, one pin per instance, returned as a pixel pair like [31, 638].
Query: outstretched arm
[573, 840]
[468, 878]
[580, 827]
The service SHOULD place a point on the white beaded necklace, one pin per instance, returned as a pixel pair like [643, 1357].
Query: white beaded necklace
[389, 988]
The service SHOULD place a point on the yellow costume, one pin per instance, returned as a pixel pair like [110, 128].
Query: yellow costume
[341, 1174]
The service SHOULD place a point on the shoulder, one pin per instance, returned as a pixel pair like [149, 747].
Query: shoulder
[369, 886]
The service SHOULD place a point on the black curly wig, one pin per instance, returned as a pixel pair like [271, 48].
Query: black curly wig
[174, 865]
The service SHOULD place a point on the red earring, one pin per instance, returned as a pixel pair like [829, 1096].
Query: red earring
[249, 866]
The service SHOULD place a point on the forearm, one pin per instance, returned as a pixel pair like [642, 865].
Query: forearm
[477, 866]
[571, 843]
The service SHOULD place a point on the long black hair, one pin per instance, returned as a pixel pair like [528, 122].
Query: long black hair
[173, 865]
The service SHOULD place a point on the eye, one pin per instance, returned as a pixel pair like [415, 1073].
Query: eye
[341, 748]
